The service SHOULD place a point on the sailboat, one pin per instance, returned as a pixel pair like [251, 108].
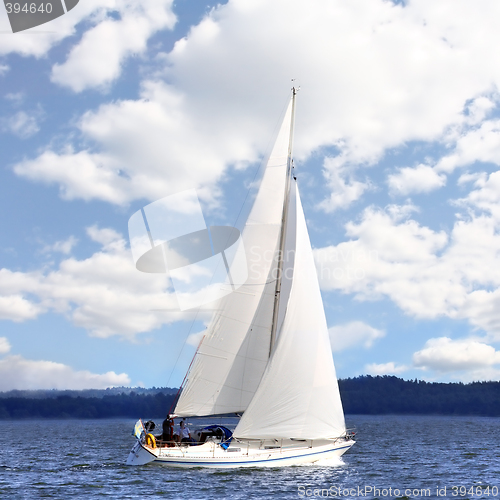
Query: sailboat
[266, 354]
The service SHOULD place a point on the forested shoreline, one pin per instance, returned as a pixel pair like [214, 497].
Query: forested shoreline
[361, 395]
[131, 405]
[368, 395]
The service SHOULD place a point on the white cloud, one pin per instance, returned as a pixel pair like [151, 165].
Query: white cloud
[479, 144]
[421, 179]
[401, 212]
[347, 58]
[17, 308]
[98, 58]
[390, 368]
[344, 188]
[353, 334]
[479, 109]
[106, 236]
[3, 69]
[104, 293]
[81, 175]
[153, 150]
[63, 246]
[486, 196]
[4, 345]
[16, 98]
[194, 339]
[424, 272]
[486, 374]
[119, 29]
[19, 373]
[482, 307]
[364, 68]
[385, 257]
[446, 355]
[472, 177]
[21, 124]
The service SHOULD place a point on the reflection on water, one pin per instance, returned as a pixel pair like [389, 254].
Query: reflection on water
[69, 459]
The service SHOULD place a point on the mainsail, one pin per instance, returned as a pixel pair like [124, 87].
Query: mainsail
[284, 383]
[232, 356]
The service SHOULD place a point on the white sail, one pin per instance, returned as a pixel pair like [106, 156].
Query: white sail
[231, 359]
[298, 396]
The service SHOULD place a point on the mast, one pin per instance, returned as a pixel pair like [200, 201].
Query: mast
[284, 219]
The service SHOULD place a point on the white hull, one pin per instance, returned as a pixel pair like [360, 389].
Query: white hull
[248, 454]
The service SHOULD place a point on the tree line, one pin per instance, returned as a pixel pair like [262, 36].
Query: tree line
[122, 405]
[361, 395]
[391, 395]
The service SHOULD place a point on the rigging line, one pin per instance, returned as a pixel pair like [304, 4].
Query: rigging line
[182, 348]
[264, 160]
[197, 311]
[176, 399]
[261, 164]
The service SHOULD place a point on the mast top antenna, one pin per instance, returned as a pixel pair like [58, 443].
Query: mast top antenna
[294, 88]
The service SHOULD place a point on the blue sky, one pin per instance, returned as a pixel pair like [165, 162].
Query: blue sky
[117, 104]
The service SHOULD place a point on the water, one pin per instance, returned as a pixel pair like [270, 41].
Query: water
[73, 459]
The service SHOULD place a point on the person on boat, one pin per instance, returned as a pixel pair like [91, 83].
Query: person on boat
[184, 433]
[168, 430]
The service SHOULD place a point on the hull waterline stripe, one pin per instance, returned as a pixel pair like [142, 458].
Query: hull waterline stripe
[248, 461]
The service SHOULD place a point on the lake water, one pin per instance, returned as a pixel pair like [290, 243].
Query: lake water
[398, 457]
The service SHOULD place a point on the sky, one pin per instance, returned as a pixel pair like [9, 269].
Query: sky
[118, 103]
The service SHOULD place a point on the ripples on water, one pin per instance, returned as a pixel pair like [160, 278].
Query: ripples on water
[72, 459]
